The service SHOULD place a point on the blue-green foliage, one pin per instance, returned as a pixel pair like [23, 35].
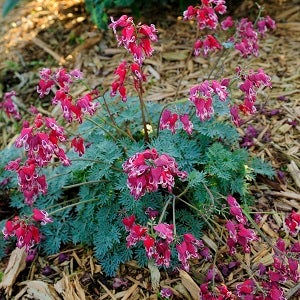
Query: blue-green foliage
[90, 198]
[98, 9]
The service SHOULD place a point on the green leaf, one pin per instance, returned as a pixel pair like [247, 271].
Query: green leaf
[8, 5]
[196, 178]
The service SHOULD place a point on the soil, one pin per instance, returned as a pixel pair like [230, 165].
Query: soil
[49, 33]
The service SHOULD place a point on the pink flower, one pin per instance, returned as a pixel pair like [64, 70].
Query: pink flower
[149, 32]
[136, 233]
[13, 165]
[165, 231]
[168, 121]
[190, 247]
[77, 144]
[292, 223]
[118, 83]
[264, 24]
[245, 288]
[186, 123]
[63, 79]
[197, 47]
[136, 39]
[41, 216]
[86, 105]
[234, 112]
[166, 293]
[189, 13]
[227, 23]
[147, 170]
[128, 222]
[210, 43]
[220, 90]
[149, 244]
[76, 74]
[45, 87]
[9, 107]
[247, 38]
[235, 210]
[162, 253]
[27, 234]
[151, 213]
[204, 108]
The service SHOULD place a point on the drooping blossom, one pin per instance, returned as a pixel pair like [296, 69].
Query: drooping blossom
[249, 86]
[227, 23]
[236, 210]
[77, 144]
[135, 38]
[210, 43]
[187, 125]
[151, 213]
[166, 293]
[157, 246]
[165, 231]
[9, 106]
[189, 248]
[25, 230]
[201, 96]
[292, 223]
[264, 24]
[61, 80]
[168, 120]
[148, 170]
[206, 15]
[41, 216]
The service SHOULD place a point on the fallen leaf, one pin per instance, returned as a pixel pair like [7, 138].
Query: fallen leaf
[37, 290]
[190, 284]
[16, 264]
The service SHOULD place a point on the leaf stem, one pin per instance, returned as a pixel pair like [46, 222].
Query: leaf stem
[72, 205]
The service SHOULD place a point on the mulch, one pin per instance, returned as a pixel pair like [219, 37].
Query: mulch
[59, 33]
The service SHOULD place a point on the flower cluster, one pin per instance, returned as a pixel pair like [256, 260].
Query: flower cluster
[45, 140]
[158, 243]
[136, 39]
[202, 94]
[208, 44]
[246, 40]
[157, 249]
[206, 14]
[31, 184]
[148, 170]
[118, 85]
[238, 232]
[251, 83]
[169, 120]
[9, 106]
[191, 248]
[73, 109]
[25, 229]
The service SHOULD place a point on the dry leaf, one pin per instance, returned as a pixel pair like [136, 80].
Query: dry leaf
[70, 289]
[295, 172]
[37, 290]
[16, 264]
[190, 284]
